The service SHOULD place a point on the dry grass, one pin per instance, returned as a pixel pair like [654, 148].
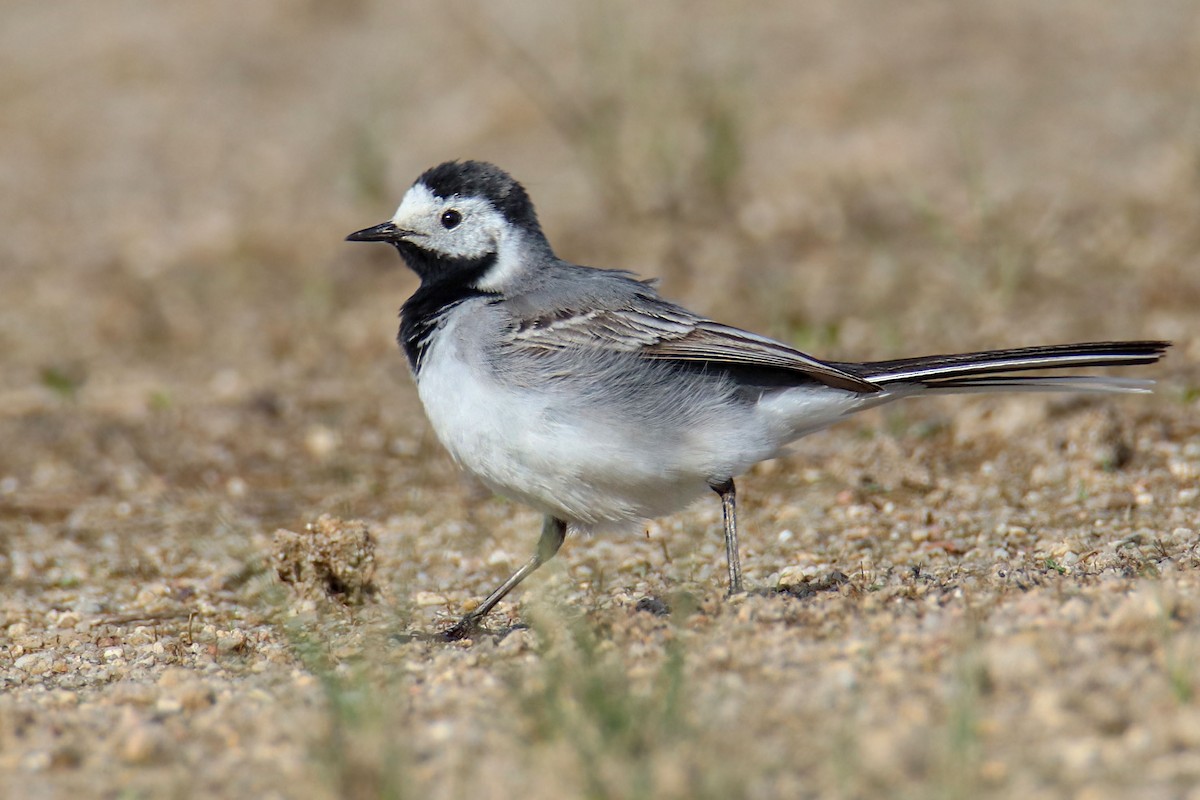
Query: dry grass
[193, 359]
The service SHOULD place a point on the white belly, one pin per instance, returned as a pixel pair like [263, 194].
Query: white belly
[584, 467]
[581, 471]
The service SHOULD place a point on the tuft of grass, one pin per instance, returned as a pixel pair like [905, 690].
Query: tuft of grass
[958, 775]
[651, 135]
[159, 400]
[620, 730]
[815, 337]
[1051, 564]
[1177, 660]
[722, 156]
[64, 380]
[360, 753]
[368, 168]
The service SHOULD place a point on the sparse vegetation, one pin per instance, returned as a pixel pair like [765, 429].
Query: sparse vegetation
[989, 597]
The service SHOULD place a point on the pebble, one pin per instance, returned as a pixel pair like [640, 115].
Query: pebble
[321, 441]
[797, 574]
[231, 642]
[34, 662]
[143, 744]
[429, 599]
[87, 606]
[1183, 470]
[168, 704]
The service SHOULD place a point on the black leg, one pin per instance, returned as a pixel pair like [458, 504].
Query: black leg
[554, 531]
[729, 511]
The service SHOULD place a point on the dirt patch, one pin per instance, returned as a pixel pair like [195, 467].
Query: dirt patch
[974, 597]
[330, 560]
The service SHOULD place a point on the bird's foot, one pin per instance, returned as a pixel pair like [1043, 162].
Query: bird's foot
[466, 628]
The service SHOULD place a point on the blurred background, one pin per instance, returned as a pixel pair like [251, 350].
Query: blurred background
[184, 322]
[859, 179]
[192, 356]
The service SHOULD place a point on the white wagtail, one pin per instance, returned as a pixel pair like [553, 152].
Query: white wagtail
[584, 394]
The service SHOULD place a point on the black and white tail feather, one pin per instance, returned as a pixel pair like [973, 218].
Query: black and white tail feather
[997, 370]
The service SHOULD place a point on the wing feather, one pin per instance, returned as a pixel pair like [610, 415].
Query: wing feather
[662, 331]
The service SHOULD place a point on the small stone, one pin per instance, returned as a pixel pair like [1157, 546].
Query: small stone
[518, 640]
[429, 599]
[231, 642]
[653, 605]
[321, 441]
[67, 620]
[37, 761]
[196, 695]
[35, 661]
[144, 744]
[441, 731]
[169, 704]
[792, 575]
[174, 676]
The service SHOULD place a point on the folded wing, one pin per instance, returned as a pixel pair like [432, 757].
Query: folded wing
[662, 331]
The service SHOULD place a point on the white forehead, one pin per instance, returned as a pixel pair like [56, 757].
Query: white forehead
[417, 202]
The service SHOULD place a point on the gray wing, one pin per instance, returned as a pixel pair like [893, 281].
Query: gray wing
[636, 320]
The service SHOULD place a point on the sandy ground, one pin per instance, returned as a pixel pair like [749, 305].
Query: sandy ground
[985, 597]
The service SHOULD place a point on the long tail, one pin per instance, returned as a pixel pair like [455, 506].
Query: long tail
[993, 370]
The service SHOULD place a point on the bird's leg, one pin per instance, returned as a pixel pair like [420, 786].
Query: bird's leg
[728, 496]
[554, 531]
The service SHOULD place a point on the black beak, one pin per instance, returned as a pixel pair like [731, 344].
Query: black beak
[383, 232]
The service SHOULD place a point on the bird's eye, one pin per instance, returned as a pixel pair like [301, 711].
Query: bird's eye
[451, 218]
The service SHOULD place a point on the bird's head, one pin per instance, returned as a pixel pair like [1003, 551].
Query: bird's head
[464, 221]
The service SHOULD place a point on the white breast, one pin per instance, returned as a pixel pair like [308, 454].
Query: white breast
[498, 433]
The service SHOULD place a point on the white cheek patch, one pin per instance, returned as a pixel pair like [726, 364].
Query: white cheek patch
[510, 263]
[476, 236]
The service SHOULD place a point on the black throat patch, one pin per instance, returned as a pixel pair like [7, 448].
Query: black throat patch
[445, 283]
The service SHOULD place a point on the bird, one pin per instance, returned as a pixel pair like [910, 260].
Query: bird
[584, 394]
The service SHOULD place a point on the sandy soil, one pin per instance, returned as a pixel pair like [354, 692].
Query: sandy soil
[985, 597]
